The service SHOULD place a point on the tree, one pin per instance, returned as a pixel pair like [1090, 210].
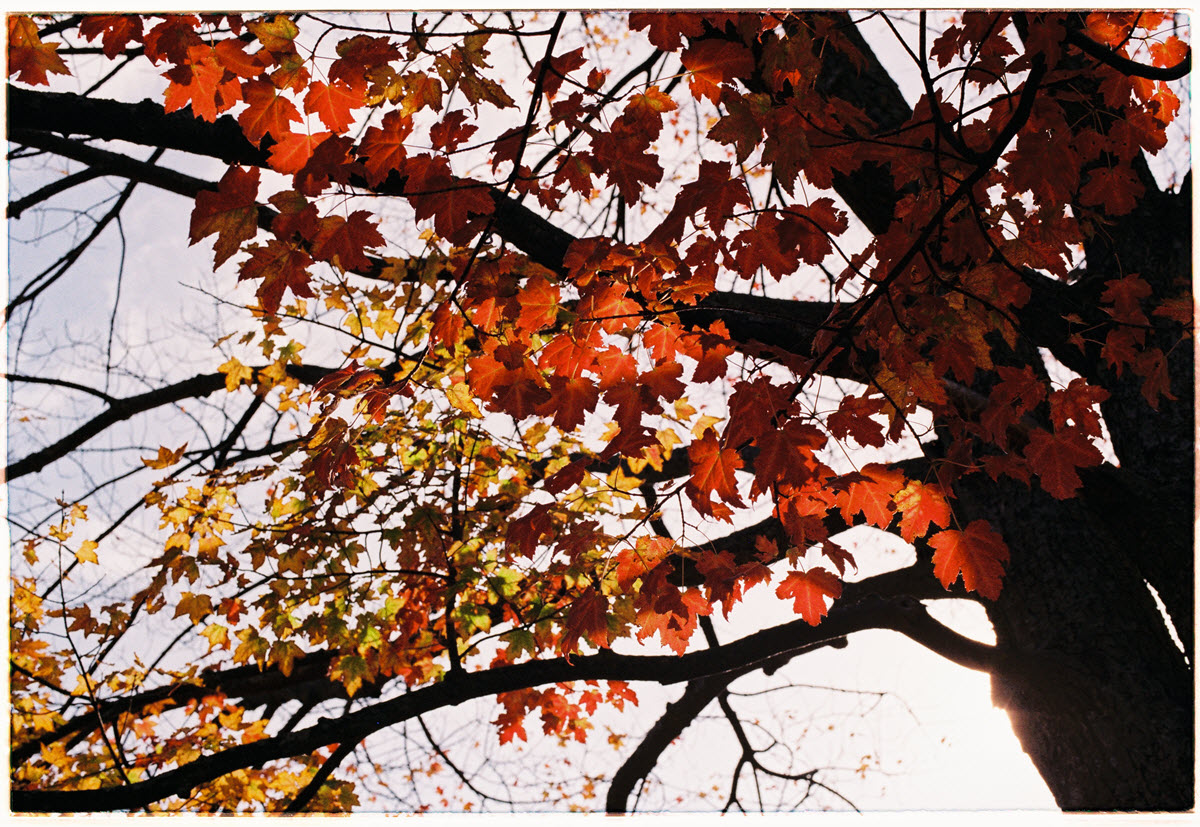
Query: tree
[646, 305]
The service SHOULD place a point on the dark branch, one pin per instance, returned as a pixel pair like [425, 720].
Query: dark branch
[1126, 66]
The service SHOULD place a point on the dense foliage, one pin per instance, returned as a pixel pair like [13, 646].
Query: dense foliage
[532, 312]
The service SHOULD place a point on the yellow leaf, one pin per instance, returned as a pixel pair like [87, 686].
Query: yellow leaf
[216, 635]
[235, 373]
[87, 552]
[460, 397]
[166, 457]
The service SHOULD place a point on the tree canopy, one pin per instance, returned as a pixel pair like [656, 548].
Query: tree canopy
[544, 342]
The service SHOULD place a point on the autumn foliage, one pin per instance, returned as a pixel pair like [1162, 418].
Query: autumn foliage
[537, 426]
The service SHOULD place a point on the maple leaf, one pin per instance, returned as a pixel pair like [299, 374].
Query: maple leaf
[280, 266]
[713, 472]
[753, 406]
[666, 30]
[28, 57]
[344, 241]
[712, 62]
[761, 246]
[623, 157]
[742, 125]
[165, 457]
[451, 131]
[383, 147]
[334, 102]
[231, 212]
[452, 204]
[977, 552]
[1115, 190]
[116, 31]
[870, 493]
[268, 112]
[556, 72]
[785, 456]
[276, 35]
[570, 400]
[808, 590]
[644, 110]
[291, 154]
[587, 617]
[1076, 405]
[201, 82]
[358, 53]
[539, 304]
[195, 606]
[1055, 458]
[920, 506]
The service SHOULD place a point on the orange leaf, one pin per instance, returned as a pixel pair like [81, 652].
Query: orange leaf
[290, 154]
[28, 57]
[808, 590]
[201, 82]
[920, 505]
[978, 552]
[268, 112]
[712, 472]
[712, 62]
[333, 102]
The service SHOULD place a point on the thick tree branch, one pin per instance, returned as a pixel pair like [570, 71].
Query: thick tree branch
[767, 645]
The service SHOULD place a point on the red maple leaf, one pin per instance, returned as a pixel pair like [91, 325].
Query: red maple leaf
[539, 300]
[201, 82]
[666, 30]
[231, 212]
[712, 62]
[116, 31]
[587, 617]
[281, 267]
[451, 131]
[435, 193]
[978, 552]
[785, 456]
[382, 148]
[870, 492]
[753, 406]
[808, 590]
[1056, 457]
[623, 156]
[560, 66]
[358, 54]
[1116, 190]
[344, 241]
[712, 473]
[571, 398]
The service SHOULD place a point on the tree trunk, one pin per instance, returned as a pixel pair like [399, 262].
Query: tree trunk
[1100, 697]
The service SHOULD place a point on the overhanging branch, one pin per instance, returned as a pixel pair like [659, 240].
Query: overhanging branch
[872, 611]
